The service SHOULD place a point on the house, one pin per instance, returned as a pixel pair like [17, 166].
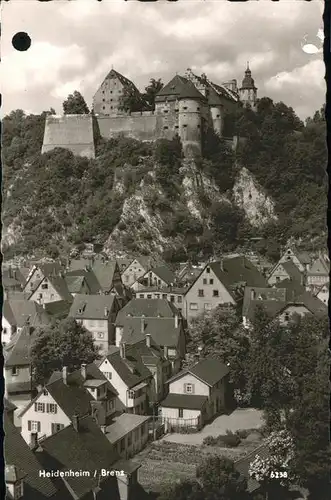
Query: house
[319, 272]
[286, 270]
[124, 367]
[160, 276]
[90, 279]
[272, 300]
[82, 392]
[147, 308]
[128, 433]
[107, 274]
[322, 293]
[136, 269]
[187, 273]
[77, 285]
[97, 313]
[158, 363]
[38, 272]
[11, 281]
[51, 289]
[301, 260]
[123, 264]
[172, 294]
[197, 394]
[19, 387]
[22, 469]
[83, 447]
[167, 333]
[221, 282]
[16, 313]
[301, 305]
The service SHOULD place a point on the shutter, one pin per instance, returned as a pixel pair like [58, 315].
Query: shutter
[29, 425]
[55, 408]
[39, 427]
[43, 406]
[35, 407]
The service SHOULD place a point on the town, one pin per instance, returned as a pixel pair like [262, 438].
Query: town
[101, 370]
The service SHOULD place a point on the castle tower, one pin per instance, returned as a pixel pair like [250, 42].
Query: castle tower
[178, 107]
[248, 91]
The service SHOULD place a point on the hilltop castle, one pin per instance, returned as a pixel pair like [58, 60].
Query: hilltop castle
[187, 106]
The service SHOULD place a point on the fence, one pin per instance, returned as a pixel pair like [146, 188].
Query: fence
[177, 424]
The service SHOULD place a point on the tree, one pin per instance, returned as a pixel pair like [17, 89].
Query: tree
[274, 472]
[185, 490]
[220, 334]
[75, 104]
[151, 90]
[65, 343]
[219, 477]
[131, 100]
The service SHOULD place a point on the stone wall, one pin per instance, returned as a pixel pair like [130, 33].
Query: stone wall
[73, 132]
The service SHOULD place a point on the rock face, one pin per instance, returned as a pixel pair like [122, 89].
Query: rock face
[258, 207]
[73, 132]
[142, 225]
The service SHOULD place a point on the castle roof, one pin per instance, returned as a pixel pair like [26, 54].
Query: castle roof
[181, 88]
[124, 81]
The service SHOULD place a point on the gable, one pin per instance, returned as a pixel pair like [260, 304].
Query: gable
[216, 284]
[106, 366]
[50, 290]
[177, 386]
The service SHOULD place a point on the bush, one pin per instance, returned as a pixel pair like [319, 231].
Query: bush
[228, 440]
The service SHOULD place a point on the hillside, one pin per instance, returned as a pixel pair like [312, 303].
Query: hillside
[145, 198]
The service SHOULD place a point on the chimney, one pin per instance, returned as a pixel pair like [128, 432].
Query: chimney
[253, 294]
[34, 440]
[64, 374]
[75, 422]
[165, 351]
[148, 339]
[176, 320]
[83, 370]
[106, 312]
[122, 350]
[142, 325]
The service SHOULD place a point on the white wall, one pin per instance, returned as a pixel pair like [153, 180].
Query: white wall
[200, 388]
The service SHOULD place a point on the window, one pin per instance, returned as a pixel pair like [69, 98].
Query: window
[40, 295]
[201, 293]
[176, 126]
[215, 293]
[164, 296]
[179, 299]
[44, 286]
[211, 281]
[103, 91]
[193, 306]
[287, 316]
[184, 126]
[141, 296]
[39, 407]
[159, 282]
[217, 116]
[180, 412]
[103, 100]
[51, 408]
[111, 100]
[198, 109]
[277, 279]
[198, 126]
[184, 107]
[149, 296]
[4, 330]
[172, 298]
[56, 428]
[157, 295]
[208, 270]
[100, 335]
[14, 371]
[108, 375]
[188, 388]
[110, 405]
[103, 107]
[204, 281]
[207, 306]
[165, 111]
[131, 394]
[34, 426]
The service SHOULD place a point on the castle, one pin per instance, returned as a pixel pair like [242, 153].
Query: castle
[187, 106]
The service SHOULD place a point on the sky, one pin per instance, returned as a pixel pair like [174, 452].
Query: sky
[75, 44]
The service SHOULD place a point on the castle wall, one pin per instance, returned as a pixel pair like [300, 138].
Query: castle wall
[73, 132]
[218, 119]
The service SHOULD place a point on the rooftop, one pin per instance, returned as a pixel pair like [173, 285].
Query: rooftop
[123, 424]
